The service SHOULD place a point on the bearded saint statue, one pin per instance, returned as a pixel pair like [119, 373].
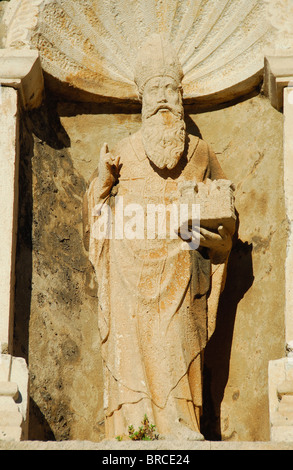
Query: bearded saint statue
[157, 301]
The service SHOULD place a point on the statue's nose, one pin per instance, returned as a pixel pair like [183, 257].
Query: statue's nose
[161, 97]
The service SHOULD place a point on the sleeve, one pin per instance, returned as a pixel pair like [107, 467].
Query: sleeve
[98, 250]
[86, 219]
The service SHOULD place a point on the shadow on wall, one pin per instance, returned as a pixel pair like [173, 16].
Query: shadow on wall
[191, 127]
[36, 123]
[50, 130]
[39, 428]
[23, 270]
[217, 353]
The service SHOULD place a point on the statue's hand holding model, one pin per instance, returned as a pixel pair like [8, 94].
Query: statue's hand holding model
[221, 241]
[157, 297]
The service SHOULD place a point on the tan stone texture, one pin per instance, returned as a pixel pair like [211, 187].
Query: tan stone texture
[153, 315]
[56, 326]
[55, 295]
[128, 447]
[89, 46]
[2, 27]
[8, 211]
[247, 139]
[66, 386]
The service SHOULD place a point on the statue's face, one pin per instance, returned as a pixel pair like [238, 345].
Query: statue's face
[161, 93]
[163, 127]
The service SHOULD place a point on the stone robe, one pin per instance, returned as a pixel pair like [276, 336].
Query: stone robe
[157, 301]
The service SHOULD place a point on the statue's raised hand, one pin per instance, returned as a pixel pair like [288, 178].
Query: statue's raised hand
[108, 171]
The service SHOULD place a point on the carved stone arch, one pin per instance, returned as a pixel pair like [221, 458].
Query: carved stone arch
[88, 46]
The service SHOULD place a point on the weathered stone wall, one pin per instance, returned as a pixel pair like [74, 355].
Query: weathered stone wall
[250, 330]
[55, 322]
[56, 305]
[3, 4]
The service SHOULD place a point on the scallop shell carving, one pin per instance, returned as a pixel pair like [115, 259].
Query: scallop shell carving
[91, 45]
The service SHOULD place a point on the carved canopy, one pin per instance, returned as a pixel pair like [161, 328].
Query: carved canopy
[89, 46]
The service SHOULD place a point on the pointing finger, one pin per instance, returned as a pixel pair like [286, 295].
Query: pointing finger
[117, 161]
[104, 150]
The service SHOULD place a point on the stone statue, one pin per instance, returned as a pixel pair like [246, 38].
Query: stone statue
[157, 296]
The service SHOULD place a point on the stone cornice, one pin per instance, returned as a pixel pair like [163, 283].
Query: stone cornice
[21, 69]
[278, 75]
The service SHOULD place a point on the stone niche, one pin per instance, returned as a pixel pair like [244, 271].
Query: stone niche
[55, 317]
[247, 138]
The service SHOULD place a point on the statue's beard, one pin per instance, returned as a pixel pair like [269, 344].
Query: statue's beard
[163, 135]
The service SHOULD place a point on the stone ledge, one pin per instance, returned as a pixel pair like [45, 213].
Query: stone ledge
[111, 445]
[21, 69]
[278, 74]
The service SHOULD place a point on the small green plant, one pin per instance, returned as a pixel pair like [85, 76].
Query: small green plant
[119, 438]
[146, 432]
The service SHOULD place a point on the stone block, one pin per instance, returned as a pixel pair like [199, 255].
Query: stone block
[288, 189]
[10, 433]
[282, 434]
[216, 201]
[8, 211]
[278, 75]
[281, 399]
[285, 388]
[10, 418]
[14, 393]
[7, 404]
[21, 69]
[9, 389]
